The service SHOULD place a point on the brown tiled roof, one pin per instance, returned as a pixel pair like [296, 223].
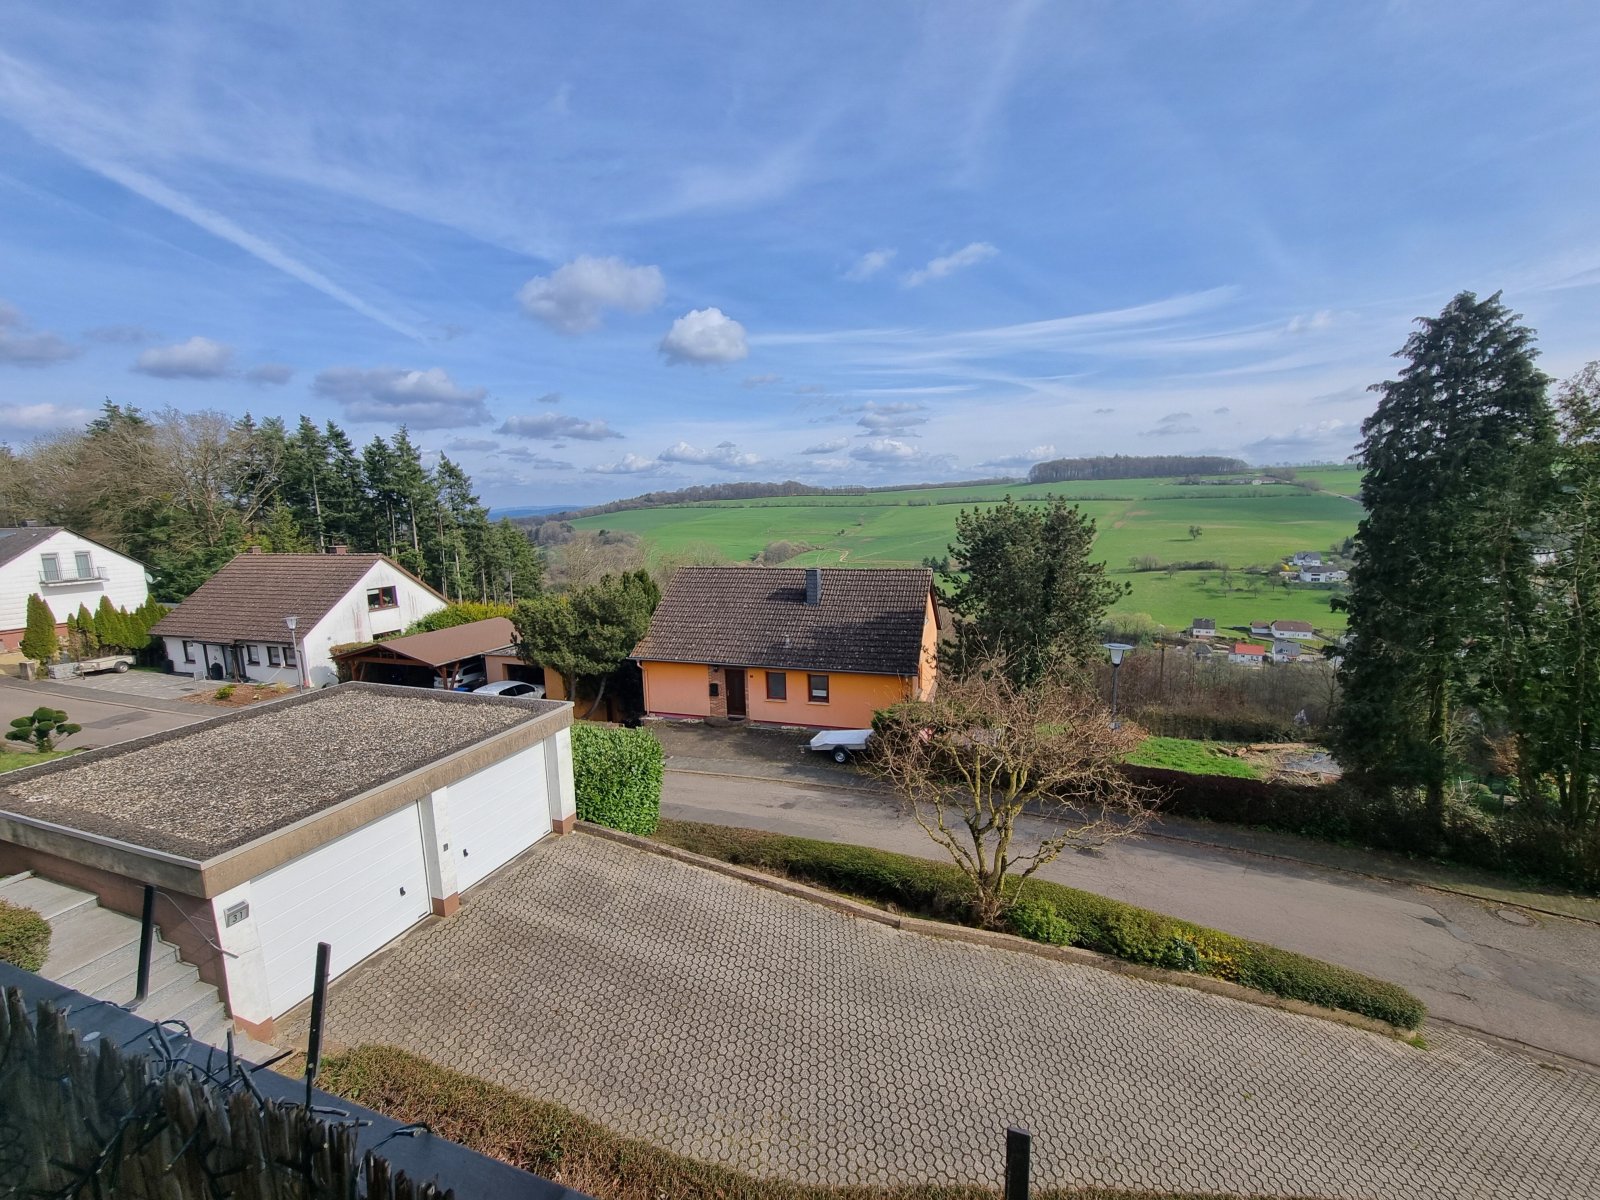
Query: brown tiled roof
[248, 599]
[1295, 626]
[869, 620]
[444, 646]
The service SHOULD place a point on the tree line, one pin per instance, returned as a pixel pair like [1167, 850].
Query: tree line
[1474, 604]
[184, 492]
[1133, 466]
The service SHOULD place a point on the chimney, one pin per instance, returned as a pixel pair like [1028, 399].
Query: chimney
[813, 585]
[256, 550]
[339, 548]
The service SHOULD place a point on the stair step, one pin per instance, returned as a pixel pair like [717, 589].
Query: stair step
[193, 1003]
[117, 978]
[91, 939]
[49, 899]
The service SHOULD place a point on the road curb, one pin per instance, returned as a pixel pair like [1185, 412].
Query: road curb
[993, 940]
[1447, 888]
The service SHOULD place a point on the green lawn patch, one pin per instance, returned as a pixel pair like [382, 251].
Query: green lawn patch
[1196, 758]
[1050, 912]
[555, 1142]
[11, 760]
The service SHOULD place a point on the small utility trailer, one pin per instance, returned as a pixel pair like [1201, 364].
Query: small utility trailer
[89, 666]
[840, 744]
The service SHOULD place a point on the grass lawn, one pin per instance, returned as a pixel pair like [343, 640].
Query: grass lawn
[1241, 526]
[1197, 758]
[11, 761]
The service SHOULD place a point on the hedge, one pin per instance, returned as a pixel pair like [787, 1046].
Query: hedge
[24, 937]
[1052, 912]
[553, 1141]
[618, 777]
[1523, 846]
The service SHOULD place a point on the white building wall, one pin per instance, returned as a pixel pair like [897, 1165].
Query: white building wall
[124, 581]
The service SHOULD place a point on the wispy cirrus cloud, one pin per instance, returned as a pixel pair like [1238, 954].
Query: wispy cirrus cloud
[969, 255]
[869, 264]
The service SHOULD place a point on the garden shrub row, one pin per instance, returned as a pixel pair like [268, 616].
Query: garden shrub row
[617, 775]
[553, 1141]
[24, 937]
[1523, 846]
[1051, 912]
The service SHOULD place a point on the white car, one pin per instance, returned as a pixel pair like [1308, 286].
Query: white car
[512, 687]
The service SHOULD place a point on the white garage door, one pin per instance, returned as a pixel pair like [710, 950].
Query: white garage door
[497, 814]
[356, 893]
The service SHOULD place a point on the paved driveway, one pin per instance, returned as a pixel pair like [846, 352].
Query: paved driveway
[1535, 981]
[106, 716]
[733, 1024]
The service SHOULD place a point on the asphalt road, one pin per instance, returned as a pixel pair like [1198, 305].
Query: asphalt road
[114, 719]
[1532, 978]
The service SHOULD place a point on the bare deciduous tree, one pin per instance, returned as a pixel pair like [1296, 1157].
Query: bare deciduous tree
[969, 762]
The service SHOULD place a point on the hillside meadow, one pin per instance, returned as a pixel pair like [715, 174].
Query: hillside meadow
[1241, 526]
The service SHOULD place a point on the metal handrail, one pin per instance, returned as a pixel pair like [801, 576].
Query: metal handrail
[95, 575]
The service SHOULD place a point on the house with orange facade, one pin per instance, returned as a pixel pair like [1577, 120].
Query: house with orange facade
[814, 646]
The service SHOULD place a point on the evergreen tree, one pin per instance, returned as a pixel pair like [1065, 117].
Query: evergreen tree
[86, 638]
[110, 626]
[39, 640]
[1442, 570]
[340, 491]
[1026, 588]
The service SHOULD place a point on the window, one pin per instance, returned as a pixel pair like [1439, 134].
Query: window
[84, 564]
[288, 656]
[818, 685]
[777, 685]
[251, 656]
[272, 657]
[188, 652]
[52, 567]
[381, 598]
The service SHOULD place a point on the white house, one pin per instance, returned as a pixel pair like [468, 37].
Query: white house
[1285, 650]
[1298, 630]
[1203, 627]
[1306, 558]
[235, 625]
[1247, 653]
[1312, 573]
[1260, 629]
[344, 815]
[67, 570]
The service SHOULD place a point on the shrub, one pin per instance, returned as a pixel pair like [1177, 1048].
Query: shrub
[462, 612]
[24, 937]
[1517, 844]
[225, 691]
[1060, 915]
[617, 773]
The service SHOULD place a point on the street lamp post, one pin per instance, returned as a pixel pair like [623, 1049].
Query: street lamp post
[1117, 650]
[293, 623]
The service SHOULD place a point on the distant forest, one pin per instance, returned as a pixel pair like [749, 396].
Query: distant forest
[739, 491]
[1134, 466]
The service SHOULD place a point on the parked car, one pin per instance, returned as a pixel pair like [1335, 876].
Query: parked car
[513, 687]
[840, 744]
[469, 681]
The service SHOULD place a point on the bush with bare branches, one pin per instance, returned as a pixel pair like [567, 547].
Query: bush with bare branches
[969, 762]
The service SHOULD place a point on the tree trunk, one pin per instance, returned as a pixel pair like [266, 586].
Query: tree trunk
[599, 694]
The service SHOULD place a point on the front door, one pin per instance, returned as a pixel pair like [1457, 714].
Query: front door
[735, 679]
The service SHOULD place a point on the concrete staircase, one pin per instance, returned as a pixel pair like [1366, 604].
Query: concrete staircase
[96, 951]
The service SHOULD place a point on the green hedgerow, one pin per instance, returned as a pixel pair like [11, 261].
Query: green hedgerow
[617, 773]
[24, 937]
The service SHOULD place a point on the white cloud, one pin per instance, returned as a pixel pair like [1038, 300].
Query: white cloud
[484, 444]
[277, 373]
[550, 426]
[1172, 424]
[705, 335]
[33, 419]
[1330, 439]
[523, 455]
[869, 264]
[886, 450]
[832, 446]
[1024, 458]
[1310, 322]
[755, 381]
[548, 398]
[894, 417]
[22, 346]
[968, 256]
[1221, 410]
[197, 358]
[629, 464]
[427, 399]
[572, 299]
[724, 455]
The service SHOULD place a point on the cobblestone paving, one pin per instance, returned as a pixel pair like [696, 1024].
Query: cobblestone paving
[739, 1026]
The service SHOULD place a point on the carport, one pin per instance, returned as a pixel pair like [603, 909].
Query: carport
[433, 659]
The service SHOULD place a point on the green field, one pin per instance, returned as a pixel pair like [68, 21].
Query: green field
[1243, 526]
[1194, 758]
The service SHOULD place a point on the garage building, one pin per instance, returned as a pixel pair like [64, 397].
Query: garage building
[345, 815]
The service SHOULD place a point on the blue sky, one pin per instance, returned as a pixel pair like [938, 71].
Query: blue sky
[592, 250]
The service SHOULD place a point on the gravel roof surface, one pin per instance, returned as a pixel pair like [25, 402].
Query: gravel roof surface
[198, 794]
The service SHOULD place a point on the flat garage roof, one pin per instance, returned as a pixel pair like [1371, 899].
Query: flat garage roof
[208, 789]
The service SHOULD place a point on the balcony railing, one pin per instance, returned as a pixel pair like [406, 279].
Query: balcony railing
[95, 575]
